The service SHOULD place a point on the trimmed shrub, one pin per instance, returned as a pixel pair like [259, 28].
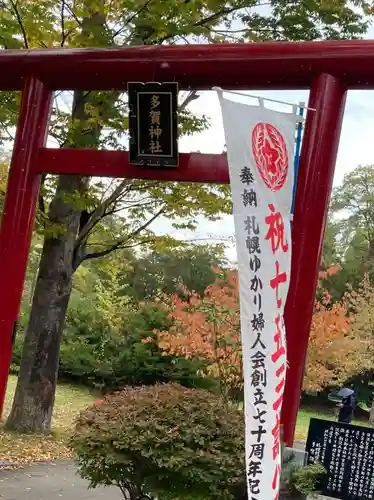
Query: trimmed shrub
[164, 441]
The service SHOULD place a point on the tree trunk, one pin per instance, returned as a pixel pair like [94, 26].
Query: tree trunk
[35, 393]
[36, 387]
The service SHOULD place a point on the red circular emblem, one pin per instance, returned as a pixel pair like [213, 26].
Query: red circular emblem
[271, 156]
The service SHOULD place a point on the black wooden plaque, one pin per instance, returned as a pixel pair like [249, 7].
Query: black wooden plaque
[153, 124]
[347, 453]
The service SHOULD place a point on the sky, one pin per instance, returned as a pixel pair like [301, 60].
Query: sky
[354, 148]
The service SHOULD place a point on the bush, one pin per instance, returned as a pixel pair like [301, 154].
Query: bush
[165, 441]
[305, 480]
[95, 355]
[298, 482]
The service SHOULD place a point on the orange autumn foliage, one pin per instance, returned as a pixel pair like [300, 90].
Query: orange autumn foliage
[208, 328]
[334, 350]
[327, 350]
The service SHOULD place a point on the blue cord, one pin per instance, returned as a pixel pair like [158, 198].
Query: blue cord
[297, 155]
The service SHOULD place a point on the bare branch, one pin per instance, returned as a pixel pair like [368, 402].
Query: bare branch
[215, 16]
[185, 39]
[119, 246]
[206, 20]
[122, 243]
[11, 137]
[103, 253]
[19, 19]
[139, 204]
[99, 213]
[131, 18]
[108, 188]
[223, 32]
[63, 33]
[192, 96]
[76, 18]
[42, 44]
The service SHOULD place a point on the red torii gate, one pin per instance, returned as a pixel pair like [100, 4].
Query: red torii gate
[327, 68]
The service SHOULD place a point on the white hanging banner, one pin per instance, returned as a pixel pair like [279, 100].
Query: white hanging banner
[260, 147]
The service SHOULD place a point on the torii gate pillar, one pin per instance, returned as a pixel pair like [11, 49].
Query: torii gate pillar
[314, 183]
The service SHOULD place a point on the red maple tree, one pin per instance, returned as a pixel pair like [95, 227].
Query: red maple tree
[208, 328]
[332, 345]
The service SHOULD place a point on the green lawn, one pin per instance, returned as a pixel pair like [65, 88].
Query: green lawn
[69, 401]
[305, 414]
